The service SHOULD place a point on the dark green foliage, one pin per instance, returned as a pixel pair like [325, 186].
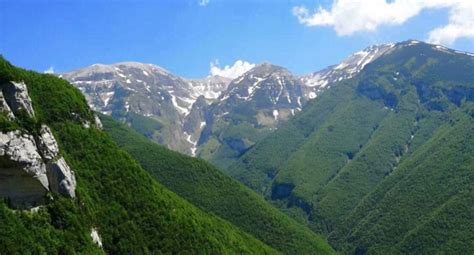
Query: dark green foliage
[381, 163]
[142, 124]
[435, 180]
[140, 210]
[133, 213]
[6, 124]
[212, 191]
[57, 228]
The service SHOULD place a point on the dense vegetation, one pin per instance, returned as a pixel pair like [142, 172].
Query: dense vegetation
[382, 163]
[208, 188]
[133, 213]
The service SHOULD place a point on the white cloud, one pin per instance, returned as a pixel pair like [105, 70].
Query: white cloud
[234, 71]
[461, 25]
[50, 70]
[203, 2]
[350, 16]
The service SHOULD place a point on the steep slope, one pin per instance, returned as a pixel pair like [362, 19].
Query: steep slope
[212, 191]
[436, 187]
[359, 162]
[117, 204]
[263, 98]
[318, 81]
[253, 105]
[138, 93]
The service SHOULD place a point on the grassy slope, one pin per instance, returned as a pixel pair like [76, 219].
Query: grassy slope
[132, 212]
[208, 188]
[346, 145]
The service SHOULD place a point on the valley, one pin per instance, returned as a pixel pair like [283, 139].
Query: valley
[209, 127]
[316, 164]
[334, 150]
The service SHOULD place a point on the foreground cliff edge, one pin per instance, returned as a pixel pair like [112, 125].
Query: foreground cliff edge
[83, 193]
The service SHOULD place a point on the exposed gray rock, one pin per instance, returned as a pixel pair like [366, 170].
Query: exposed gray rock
[47, 144]
[98, 123]
[132, 89]
[22, 171]
[96, 237]
[61, 178]
[25, 177]
[4, 107]
[16, 95]
[29, 169]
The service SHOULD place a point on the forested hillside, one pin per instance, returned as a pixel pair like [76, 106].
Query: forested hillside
[115, 197]
[212, 191]
[382, 162]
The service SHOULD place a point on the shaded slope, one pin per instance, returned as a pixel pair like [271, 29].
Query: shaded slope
[208, 188]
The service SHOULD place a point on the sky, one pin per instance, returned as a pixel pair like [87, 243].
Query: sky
[195, 38]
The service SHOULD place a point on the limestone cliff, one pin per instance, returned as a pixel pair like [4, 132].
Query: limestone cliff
[30, 165]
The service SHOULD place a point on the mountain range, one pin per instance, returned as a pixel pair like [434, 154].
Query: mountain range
[337, 149]
[383, 162]
[67, 187]
[374, 155]
[215, 118]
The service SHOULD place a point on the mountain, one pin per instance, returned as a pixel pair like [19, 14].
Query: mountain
[380, 162]
[212, 191]
[253, 106]
[320, 80]
[147, 97]
[66, 187]
[263, 98]
[213, 118]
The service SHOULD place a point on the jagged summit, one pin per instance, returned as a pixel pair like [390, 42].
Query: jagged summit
[317, 81]
[266, 68]
[267, 93]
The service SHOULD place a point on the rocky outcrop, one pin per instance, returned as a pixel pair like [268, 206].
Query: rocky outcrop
[23, 177]
[98, 123]
[61, 178]
[47, 144]
[96, 237]
[29, 166]
[16, 95]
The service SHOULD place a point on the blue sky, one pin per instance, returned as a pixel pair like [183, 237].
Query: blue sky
[185, 37]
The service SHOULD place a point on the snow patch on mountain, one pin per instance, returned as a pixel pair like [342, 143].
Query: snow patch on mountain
[320, 80]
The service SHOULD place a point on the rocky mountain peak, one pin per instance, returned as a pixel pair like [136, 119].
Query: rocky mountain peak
[268, 93]
[320, 80]
[265, 69]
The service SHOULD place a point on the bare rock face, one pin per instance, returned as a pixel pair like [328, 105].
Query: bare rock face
[98, 123]
[29, 166]
[23, 177]
[47, 144]
[61, 178]
[16, 95]
[96, 237]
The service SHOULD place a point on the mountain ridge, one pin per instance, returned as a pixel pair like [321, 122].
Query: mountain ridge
[350, 163]
[177, 117]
